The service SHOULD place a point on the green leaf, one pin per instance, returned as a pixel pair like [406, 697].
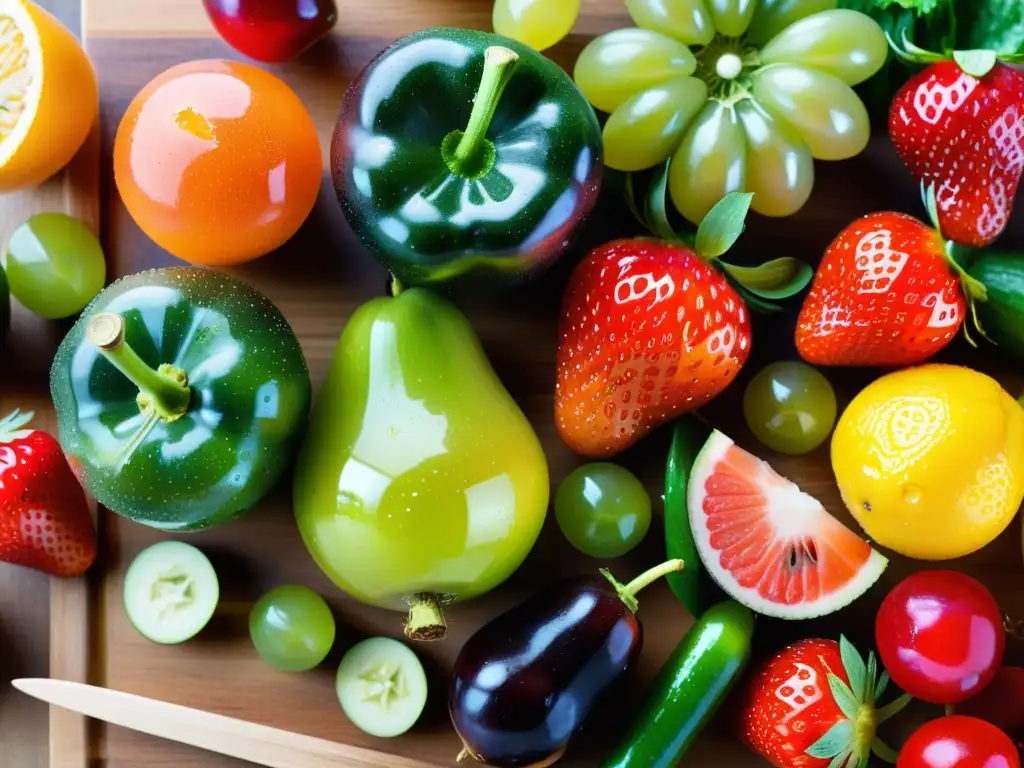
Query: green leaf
[856, 672]
[872, 673]
[656, 207]
[883, 683]
[997, 25]
[753, 301]
[977, 63]
[843, 696]
[631, 202]
[893, 708]
[840, 760]
[835, 741]
[776, 279]
[883, 751]
[723, 224]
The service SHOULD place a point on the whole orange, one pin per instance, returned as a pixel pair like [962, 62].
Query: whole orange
[217, 161]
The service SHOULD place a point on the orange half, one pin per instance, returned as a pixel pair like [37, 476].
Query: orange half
[49, 97]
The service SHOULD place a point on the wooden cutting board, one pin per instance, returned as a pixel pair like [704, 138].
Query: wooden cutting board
[317, 280]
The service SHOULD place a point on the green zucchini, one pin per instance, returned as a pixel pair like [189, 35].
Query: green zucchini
[1002, 315]
[688, 689]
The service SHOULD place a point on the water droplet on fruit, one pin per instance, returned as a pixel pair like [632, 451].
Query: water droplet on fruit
[912, 494]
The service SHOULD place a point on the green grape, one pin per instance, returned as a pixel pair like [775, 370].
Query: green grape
[823, 109]
[292, 628]
[536, 23]
[773, 16]
[790, 407]
[843, 43]
[603, 509]
[686, 20]
[55, 265]
[780, 169]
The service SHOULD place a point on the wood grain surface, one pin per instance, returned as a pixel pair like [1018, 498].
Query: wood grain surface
[317, 279]
[25, 610]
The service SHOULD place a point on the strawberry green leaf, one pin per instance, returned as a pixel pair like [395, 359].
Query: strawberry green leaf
[883, 683]
[843, 696]
[723, 225]
[842, 760]
[835, 741]
[753, 301]
[775, 279]
[656, 208]
[631, 202]
[856, 672]
[977, 63]
[893, 708]
[12, 423]
[872, 673]
[883, 751]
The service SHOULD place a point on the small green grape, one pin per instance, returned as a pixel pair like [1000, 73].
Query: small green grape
[536, 23]
[292, 628]
[790, 407]
[603, 509]
[54, 265]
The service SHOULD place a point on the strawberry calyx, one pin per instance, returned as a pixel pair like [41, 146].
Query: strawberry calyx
[852, 740]
[973, 289]
[762, 287]
[11, 425]
[976, 62]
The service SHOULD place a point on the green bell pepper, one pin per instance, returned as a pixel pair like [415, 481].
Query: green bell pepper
[182, 394]
[462, 155]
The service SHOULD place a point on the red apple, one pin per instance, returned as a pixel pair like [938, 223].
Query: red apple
[272, 31]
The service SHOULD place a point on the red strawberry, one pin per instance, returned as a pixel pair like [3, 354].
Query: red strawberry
[885, 294]
[649, 331]
[45, 521]
[814, 701]
[964, 134]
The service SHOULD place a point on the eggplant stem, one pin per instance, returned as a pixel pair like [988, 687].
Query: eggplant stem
[627, 592]
[426, 619]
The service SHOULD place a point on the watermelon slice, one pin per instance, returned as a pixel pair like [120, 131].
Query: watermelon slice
[768, 544]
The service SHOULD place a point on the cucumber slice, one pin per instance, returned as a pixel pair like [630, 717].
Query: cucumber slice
[170, 592]
[381, 686]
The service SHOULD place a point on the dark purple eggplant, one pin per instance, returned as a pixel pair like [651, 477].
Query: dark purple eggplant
[526, 681]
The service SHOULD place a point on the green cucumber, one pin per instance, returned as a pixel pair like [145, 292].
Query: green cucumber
[381, 686]
[688, 689]
[692, 585]
[170, 592]
[1002, 315]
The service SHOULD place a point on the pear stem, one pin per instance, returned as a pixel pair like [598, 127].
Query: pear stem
[426, 619]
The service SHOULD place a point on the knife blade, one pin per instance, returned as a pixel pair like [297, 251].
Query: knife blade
[256, 743]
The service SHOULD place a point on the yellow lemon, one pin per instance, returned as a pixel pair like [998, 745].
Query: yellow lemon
[930, 460]
[49, 97]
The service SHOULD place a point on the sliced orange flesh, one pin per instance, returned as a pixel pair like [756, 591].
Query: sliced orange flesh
[15, 75]
[770, 545]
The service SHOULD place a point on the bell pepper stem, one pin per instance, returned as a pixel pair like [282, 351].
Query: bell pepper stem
[474, 154]
[164, 391]
[426, 619]
[627, 592]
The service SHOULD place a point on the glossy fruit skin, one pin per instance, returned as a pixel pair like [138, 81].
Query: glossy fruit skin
[692, 586]
[958, 741]
[45, 521]
[930, 460]
[249, 397]
[648, 332]
[292, 628]
[1001, 702]
[218, 162]
[1002, 315]
[536, 23]
[55, 265]
[790, 407]
[419, 473]
[603, 509]
[272, 31]
[883, 295]
[546, 691]
[965, 135]
[735, 95]
[68, 102]
[940, 635]
[432, 226]
[688, 690]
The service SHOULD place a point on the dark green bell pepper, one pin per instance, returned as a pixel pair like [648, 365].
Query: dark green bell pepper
[464, 156]
[183, 395]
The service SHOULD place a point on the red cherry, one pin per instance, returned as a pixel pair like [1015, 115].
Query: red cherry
[940, 636]
[958, 741]
[272, 31]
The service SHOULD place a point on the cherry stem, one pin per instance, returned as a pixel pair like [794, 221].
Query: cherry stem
[164, 391]
[627, 592]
